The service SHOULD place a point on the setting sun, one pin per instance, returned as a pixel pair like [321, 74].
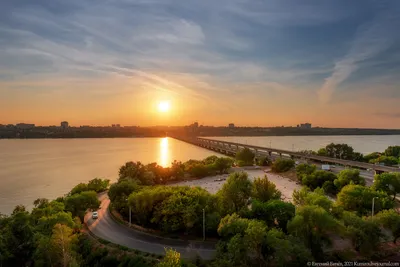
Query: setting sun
[163, 106]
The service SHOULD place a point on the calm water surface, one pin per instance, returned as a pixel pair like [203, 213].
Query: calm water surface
[49, 168]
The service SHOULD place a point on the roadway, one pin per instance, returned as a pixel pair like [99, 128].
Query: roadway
[106, 228]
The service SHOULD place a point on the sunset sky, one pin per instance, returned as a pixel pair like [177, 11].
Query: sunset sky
[251, 62]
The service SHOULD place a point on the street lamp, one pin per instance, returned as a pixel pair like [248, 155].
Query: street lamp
[373, 205]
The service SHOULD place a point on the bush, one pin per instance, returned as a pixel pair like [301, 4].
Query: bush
[282, 165]
[200, 171]
[264, 161]
[317, 179]
[305, 169]
[246, 156]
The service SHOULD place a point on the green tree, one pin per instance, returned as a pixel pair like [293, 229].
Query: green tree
[133, 170]
[358, 198]
[210, 160]
[364, 232]
[387, 182]
[235, 193]
[386, 160]
[16, 238]
[322, 152]
[305, 197]
[340, 151]
[275, 213]
[199, 171]
[119, 193]
[393, 151]
[172, 258]
[264, 190]
[264, 161]
[348, 176]
[305, 169]
[371, 156]
[78, 204]
[317, 179]
[313, 225]
[79, 188]
[63, 244]
[282, 165]
[222, 165]
[246, 156]
[390, 220]
[98, 185]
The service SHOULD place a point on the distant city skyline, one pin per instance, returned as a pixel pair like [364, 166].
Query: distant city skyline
[333, 63]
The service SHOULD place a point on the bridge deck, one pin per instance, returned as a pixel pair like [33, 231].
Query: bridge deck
[232, 148]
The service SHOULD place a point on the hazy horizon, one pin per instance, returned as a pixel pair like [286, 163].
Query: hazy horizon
[331, 63]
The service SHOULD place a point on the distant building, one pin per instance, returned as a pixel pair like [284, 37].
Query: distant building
[305, 126]
[25, 126]
[116, 125]
[196, 124]
[231, 125]
[64, 124]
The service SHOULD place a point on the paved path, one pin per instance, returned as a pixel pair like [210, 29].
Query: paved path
[106, 228]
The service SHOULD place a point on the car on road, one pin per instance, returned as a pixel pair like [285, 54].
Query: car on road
[95, 215]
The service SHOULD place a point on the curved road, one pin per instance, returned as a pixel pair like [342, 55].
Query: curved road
[106, 228]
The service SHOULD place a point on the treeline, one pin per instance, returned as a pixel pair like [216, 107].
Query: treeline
[49, 235]
[390, 157]
[256, 228]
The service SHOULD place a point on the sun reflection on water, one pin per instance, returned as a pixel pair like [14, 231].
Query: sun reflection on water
[164, 152]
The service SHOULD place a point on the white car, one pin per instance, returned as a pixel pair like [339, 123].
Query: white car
[95, 215]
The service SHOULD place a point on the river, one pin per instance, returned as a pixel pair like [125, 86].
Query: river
[49, 168]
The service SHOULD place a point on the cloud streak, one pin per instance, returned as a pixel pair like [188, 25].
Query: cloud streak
[371, 38]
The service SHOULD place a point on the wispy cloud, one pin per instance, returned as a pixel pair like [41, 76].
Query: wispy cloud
[371, 39]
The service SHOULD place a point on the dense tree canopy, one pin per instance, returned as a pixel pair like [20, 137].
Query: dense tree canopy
[387, 182]
[313, 225]
[348, 176]
[393, 151]
[358, 198]
[282, 165]
[234, 194]
[264, 190]
[318, 179]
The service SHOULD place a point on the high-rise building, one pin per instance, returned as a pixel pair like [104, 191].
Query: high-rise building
[231, 125]
[64, 124]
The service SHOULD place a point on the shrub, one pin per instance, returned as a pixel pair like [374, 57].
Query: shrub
[282, 165]
[246, 156]
[317, 179]
[264, 161]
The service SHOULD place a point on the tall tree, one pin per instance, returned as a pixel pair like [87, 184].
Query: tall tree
[359, 198]
[264, 190]
[390, 220]
[313, 225]
[348, 176]
[387, 182]
[235, 193]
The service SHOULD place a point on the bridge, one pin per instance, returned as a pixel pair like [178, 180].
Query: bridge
[230, 148]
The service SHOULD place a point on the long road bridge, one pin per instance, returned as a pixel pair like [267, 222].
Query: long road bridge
[230, 148]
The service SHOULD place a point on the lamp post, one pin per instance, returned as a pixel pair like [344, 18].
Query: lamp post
[373, 206]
